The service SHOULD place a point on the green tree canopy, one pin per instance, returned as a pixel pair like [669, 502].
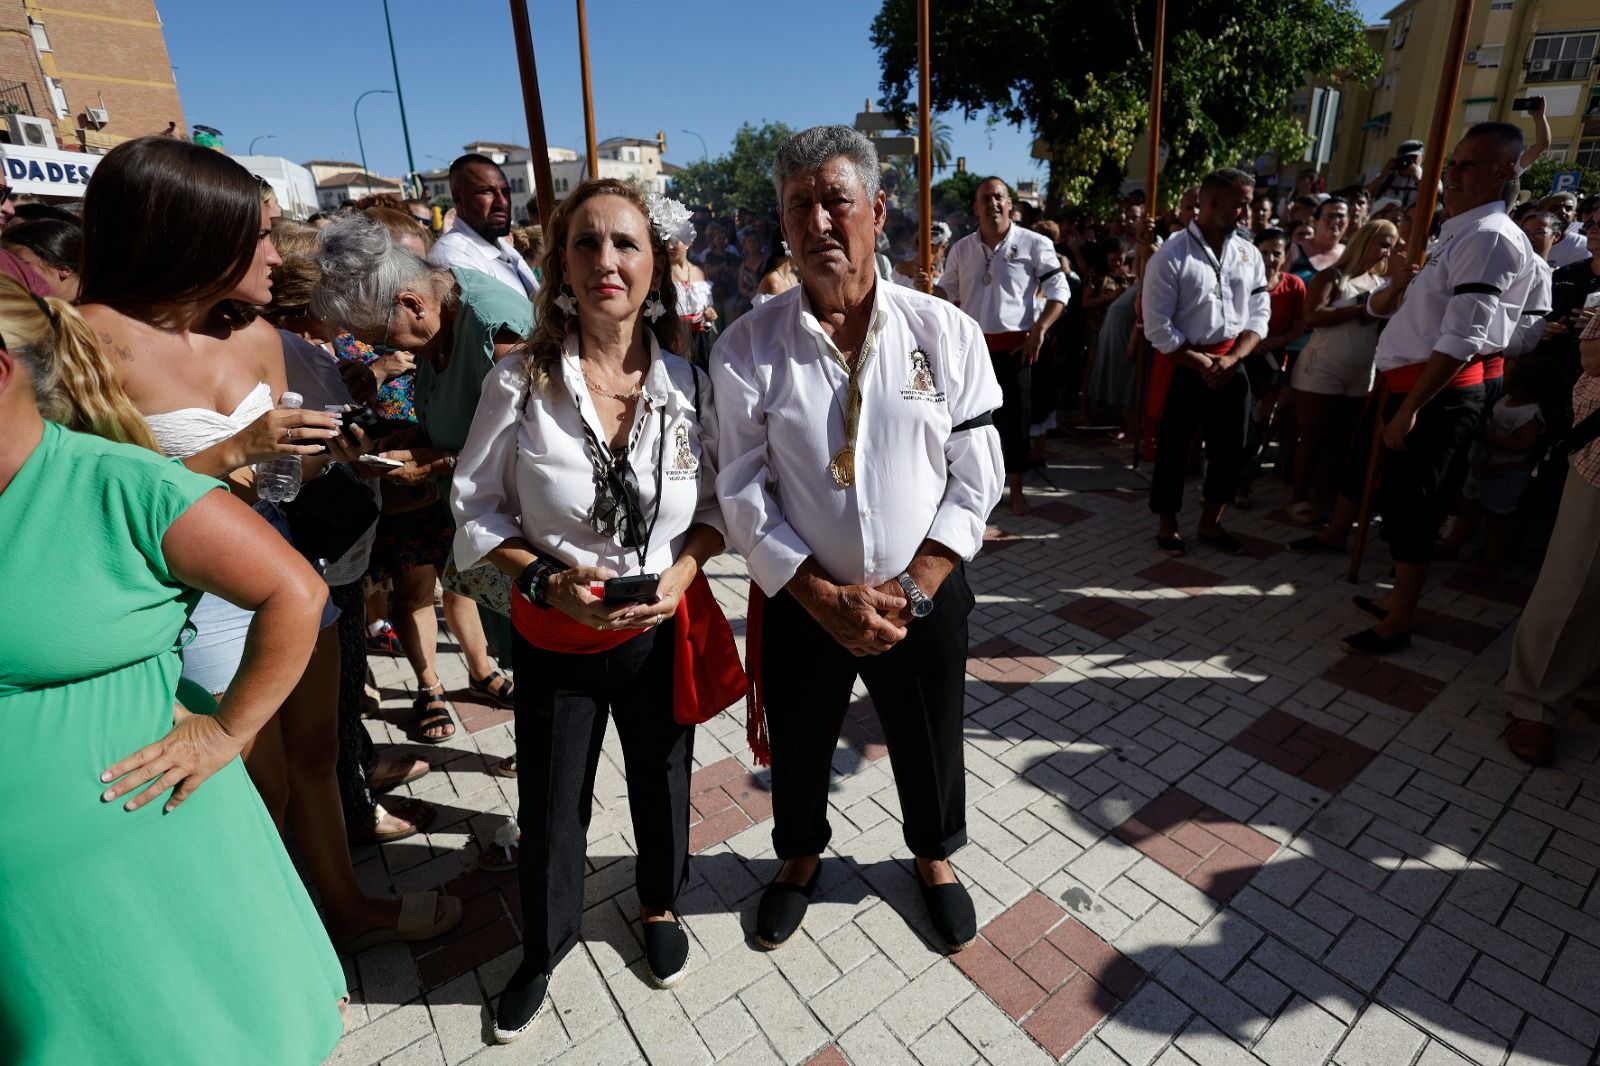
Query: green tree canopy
[1078, 73]
[741, 178]
[1536, 179]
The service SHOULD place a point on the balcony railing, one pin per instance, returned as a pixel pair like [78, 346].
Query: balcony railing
[15, 99]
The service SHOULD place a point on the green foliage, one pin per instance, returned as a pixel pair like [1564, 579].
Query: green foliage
[956, 193]
[1536, 179]
[741, 178]
[1078, 73]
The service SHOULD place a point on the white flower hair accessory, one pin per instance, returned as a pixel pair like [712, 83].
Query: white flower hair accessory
[670, 219]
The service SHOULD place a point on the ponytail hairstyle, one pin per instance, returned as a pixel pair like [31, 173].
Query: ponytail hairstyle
[542, 350]
[73, 385]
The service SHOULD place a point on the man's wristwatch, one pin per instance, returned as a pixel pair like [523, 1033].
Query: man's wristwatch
[921, 606]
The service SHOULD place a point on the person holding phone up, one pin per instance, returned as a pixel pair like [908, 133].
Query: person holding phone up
[588, 476]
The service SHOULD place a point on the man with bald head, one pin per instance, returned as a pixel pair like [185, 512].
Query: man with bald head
[1459, 309]
[477, 240]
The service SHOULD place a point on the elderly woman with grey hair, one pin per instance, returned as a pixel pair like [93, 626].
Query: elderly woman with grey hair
[859, 463]
[456, 323]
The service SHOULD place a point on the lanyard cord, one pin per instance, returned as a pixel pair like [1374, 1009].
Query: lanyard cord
[602, 457]
[852, 409]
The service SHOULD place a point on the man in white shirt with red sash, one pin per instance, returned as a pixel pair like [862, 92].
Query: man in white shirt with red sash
[1205, 310]
[858, 465]
[1461, 308]
[994, 275]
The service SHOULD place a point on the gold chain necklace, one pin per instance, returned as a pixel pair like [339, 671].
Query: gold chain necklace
[622, 397]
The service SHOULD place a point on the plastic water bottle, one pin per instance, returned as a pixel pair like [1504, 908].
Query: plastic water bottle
[278, 480]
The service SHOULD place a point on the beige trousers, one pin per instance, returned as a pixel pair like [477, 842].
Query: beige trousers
[1556, 650]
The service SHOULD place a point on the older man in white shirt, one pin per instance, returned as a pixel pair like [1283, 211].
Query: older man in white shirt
[477, 240]
[994, 275]
[859, 464]
[1205, 310]
[1570, 247]
[1462, 307]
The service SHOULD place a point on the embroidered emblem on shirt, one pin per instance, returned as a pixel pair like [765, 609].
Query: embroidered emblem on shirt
[683, 459]
[921, 379]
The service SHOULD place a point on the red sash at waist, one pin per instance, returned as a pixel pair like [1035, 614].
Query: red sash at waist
[1162, 369]
[1403, 379]
[695, 322]
[552, 630]
[1494, 366]
[1006, 342]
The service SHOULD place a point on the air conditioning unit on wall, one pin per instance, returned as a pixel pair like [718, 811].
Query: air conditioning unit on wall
[98, 115]
[31, 132]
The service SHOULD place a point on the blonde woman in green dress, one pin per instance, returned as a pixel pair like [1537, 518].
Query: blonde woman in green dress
[151, 914]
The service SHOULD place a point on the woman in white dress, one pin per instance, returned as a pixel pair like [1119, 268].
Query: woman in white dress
[694, 298]
[1334, 371]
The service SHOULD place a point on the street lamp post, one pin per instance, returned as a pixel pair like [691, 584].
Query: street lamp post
[356, 110]
[264, 137]
[705, 155]
[405, 130]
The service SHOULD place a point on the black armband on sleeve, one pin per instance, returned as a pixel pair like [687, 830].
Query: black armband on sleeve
[975, 422]
[1476, 287]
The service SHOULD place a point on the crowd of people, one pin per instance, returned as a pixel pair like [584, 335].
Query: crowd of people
[546, 433]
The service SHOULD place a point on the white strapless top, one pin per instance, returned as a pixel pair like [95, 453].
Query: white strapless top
[188, 430]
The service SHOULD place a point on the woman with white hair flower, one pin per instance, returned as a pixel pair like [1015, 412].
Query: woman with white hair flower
[689, 283]
[909, 273]
[588, 477]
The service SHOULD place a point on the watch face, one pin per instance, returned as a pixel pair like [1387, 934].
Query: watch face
[922, 608]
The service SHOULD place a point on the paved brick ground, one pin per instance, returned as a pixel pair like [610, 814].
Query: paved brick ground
[1201, 835]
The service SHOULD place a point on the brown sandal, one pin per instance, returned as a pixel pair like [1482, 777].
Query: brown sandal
[401, 771]
[416, 814]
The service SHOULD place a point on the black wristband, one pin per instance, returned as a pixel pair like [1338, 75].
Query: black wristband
[524, 582]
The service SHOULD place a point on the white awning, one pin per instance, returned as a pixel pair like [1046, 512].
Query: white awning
[46, 171]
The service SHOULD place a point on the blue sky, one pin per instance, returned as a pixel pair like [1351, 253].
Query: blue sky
[297, 76]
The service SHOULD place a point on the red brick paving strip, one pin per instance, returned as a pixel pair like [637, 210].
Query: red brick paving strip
[828, 1056]
[1049, 972]
[995, 539]
[1007, 665]
[1108, 618]
[1061, 513]
[724, 799]
[1501, 590]
[490, 919]
[1385, 682]
[478, 713]
[1456, 632]
[1181, 576]
[1203, 846]
[1300, 749]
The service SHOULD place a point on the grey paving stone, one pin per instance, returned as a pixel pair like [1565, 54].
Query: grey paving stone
[1380, 1037]
[1363, 954]
[1303, 1033]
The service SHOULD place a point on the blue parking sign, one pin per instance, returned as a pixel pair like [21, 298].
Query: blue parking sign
[1565, 181]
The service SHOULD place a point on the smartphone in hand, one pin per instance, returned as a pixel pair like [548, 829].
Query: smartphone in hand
[638, 589]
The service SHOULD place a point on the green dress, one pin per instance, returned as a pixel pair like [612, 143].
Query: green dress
[129, 938]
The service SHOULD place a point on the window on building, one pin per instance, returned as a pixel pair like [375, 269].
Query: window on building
[1502, 5]
[41, 40]
[517, 185]
[58, 97]
[1402, 30]
[1557, 151]
[1562, 56]
[1489, 56]
[1588, 153]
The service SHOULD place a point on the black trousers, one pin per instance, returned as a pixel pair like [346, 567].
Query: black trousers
[356, 754]
[917, 689]
[1413, 495]
[1016, 408]
[562, 702]
[1222, 417]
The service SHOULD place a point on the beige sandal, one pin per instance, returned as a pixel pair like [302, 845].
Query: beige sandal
[417, 922]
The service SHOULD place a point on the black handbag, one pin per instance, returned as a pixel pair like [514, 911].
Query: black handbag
[330, 514]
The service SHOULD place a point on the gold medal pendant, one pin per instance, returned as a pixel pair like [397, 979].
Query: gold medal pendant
[843, 467]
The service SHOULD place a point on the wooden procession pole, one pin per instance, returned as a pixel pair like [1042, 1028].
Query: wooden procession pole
[588, 93]
[1141, 371]
[1417, 241]
[534, 110]
[924, 150]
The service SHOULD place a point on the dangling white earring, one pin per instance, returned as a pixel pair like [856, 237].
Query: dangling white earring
[653, 307]
[567, 302]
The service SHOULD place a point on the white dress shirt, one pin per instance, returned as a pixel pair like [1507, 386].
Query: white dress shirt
[525, 470]
[1023, 264]
[1573, 247]
[781, 394]
[1535, 305]
[1194, 298]
[462, 246]
[1463, 301]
